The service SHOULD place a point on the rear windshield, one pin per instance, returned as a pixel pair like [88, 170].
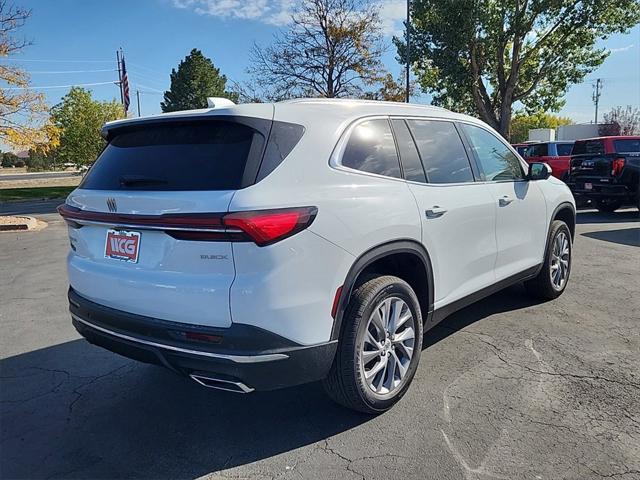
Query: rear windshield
[630, 145]
[208, 155]
[564, 148]
[588, 146]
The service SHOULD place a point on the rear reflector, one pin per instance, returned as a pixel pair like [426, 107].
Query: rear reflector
[616, 166]
[202, 337]
[263, 227]
[336, 302]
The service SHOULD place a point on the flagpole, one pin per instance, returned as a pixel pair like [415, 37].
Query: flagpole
[119, 77]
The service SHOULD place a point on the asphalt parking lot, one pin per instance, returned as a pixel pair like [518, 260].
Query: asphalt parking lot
[507, 388]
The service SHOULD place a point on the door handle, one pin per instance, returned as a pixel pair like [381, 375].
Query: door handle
[435, 212]
[505, 200]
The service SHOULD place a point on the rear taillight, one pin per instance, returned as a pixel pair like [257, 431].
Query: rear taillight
[263, 227]
[616, 166]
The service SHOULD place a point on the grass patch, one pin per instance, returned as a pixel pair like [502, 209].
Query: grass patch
[34, 193]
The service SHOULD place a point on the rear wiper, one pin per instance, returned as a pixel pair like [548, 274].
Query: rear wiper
[137, 180]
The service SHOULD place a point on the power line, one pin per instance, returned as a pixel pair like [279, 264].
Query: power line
[57, 86]
[13, 59]
[146, 79]
[146, 68]
[150, 88]
[70, 71]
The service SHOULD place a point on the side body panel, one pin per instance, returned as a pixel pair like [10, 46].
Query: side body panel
[462, 240]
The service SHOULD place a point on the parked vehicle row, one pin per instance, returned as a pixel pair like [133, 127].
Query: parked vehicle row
[603, 172]
[257, 246]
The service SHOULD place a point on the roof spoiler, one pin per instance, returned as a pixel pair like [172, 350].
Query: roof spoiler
[219, 102]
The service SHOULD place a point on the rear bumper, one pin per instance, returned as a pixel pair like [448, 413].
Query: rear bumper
[244, 356]
[599, 191]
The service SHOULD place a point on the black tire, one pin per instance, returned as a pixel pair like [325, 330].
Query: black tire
[345, 383]
[542, 285]
[608, 206]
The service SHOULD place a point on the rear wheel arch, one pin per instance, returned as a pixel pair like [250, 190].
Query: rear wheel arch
[406, 259]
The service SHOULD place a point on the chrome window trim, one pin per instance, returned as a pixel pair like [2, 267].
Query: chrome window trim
[335, 160]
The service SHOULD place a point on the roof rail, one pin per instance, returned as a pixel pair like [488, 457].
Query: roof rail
[219, 102]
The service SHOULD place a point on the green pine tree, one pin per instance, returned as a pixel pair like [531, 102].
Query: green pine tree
[195, 80]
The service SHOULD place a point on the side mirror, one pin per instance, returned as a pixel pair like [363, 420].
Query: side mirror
[539, 171]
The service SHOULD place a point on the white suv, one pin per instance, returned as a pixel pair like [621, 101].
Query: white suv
[259, 246]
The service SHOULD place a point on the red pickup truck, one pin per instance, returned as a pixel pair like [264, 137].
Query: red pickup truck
[556, 154]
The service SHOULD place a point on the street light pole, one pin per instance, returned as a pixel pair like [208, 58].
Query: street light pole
[408, 50]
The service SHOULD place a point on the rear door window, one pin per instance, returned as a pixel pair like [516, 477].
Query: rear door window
[209, 155]
[442, 151]
[371, 149]
[630, 145]
[539, 150]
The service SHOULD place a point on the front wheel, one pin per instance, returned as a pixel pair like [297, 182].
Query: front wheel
[380, 346]
[554, 274]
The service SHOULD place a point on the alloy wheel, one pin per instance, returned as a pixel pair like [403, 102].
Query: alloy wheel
[387, 347]
[560, 258]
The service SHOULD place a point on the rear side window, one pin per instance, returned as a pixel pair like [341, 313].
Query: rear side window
[371, 149]
[176, 156]
[497, 161]
[539, 150]
[442, 152]
[627, 145]
[587, 147]
[564, 149]
[411, 164]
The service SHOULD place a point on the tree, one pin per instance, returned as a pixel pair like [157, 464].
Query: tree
[9, 159]
[621, 121]
[80, 119]
[522, 123]
[332, 49]
[390, 90]
[483, 56]
[195, 80]
[23, 112]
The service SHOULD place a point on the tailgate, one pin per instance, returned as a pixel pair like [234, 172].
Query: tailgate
[145, 224]
[155, 274]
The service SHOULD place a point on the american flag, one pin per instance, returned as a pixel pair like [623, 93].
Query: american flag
[124, 84]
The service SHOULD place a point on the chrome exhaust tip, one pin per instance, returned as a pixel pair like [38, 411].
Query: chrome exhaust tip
[220, 384]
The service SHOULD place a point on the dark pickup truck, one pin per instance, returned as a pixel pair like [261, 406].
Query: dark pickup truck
[606, 172]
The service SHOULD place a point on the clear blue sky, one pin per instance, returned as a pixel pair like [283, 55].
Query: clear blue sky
[75, 35]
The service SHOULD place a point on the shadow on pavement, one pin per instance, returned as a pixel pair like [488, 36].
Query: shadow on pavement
[592, 216]
[623, 236]
[76, 411]
[510, 299]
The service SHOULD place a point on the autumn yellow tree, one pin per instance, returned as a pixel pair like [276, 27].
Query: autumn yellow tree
[24, 119]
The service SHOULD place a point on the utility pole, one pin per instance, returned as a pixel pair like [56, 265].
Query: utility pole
[408, 51]
[597, 91]
[138, 97]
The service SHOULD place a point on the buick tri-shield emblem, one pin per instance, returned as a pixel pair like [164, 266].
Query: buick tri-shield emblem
[112, 205]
